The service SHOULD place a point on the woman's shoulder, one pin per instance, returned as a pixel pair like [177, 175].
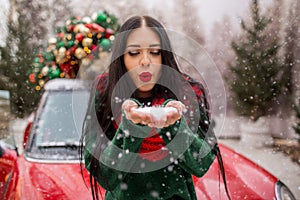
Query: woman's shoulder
[101, 82]
[197, 86]
[102, 77]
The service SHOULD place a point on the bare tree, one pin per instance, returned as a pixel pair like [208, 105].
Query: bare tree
[185, 14]
[285, 24]
[275, 12]
[58, 12]
[120, 8]
[219, 48]
[35, 13]
[292, 49]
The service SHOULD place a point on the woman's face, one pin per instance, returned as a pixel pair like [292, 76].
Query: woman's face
[142, 59]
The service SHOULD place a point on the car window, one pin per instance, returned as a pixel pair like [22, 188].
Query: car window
[60, 121]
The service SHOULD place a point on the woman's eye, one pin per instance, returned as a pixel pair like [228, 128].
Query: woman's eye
[155, 52]
[133, 53]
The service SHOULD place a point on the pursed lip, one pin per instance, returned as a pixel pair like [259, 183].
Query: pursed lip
[145, 76]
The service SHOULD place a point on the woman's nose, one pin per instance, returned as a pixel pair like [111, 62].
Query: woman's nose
[145, 59]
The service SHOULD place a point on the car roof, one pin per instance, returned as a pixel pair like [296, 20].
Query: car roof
[64, 84]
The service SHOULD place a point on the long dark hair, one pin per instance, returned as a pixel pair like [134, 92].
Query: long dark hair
[117, 70]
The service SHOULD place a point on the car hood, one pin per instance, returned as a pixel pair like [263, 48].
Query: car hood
[245, 179]
[52, 181]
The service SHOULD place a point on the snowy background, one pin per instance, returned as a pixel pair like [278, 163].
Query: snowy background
[214, 24]
[210, 11]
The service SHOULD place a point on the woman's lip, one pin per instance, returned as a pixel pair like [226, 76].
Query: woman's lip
[145, 76]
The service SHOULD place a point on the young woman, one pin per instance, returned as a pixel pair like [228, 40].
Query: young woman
[134, 154]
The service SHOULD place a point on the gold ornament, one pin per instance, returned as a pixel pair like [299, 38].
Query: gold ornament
[77, 28]
[112, 37]
[99, 35]
[87, 42]
[41, 83]
[69, 36]
[60, 58]
[45, 70]
[79, 53]
[80, 28]
[68, 22]
[87, 20]
[52, 41]
[90, 35]
[87, 50]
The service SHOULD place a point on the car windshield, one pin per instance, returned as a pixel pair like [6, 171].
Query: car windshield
[57, 130]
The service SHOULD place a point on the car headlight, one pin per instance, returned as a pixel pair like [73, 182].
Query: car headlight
[283, 192]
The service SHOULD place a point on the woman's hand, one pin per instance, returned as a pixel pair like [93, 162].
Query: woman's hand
[137, 117]
[129, 107]
[173, 116]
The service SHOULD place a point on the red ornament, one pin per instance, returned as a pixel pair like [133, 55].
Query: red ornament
[71, 28]
[94, 47]
[79, 37]
[72, 50]
[88, 26]
[109, 32]
[32, 78]
[65, 67]
[60, 35]
[97, 28]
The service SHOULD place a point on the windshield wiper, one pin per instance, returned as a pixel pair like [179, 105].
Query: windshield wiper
[59, 144]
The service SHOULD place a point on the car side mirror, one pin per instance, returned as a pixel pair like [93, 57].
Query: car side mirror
[27, 129]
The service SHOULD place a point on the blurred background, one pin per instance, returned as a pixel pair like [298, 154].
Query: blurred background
[255, 45]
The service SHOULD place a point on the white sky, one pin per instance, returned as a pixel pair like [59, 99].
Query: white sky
[213, 10]
[210, 11]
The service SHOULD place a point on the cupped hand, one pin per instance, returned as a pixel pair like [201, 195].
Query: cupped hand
[171, 116]
[175, 115]
[137, 117]
[129, 108]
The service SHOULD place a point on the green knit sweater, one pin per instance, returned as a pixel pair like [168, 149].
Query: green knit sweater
[124, 178]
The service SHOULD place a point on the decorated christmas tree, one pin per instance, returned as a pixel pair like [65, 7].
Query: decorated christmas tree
[257, 77]
[80, 41]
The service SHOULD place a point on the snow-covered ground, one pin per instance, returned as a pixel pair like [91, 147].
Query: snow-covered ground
[275, 162]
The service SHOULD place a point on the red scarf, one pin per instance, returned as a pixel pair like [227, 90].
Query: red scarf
[153, 147]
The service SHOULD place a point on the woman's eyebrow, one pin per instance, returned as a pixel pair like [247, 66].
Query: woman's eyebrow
[133, 45]
[137, 45]
[154, 45]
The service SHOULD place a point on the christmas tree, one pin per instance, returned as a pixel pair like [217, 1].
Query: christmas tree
[15, 60]
[257, 77]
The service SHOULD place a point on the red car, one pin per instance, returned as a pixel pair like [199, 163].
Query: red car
[49, 166]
